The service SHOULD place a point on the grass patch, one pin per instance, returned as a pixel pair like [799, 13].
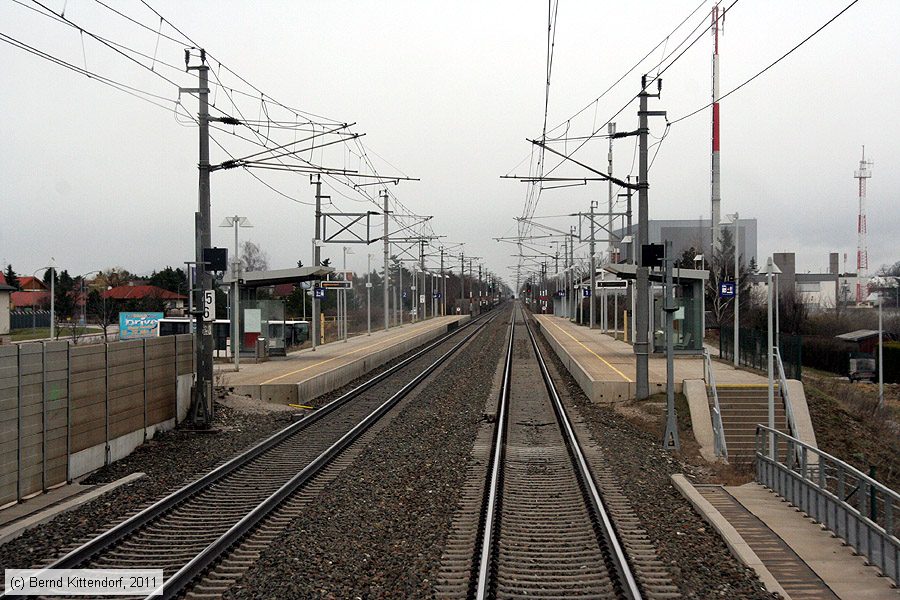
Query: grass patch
[850, 426]
[40, 333]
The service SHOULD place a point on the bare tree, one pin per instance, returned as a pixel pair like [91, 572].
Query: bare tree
[253, 258]
[104, 311]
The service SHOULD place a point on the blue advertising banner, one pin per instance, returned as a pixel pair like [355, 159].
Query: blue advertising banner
[136, 325]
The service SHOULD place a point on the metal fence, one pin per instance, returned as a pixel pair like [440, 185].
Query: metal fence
[753, 352]
[851, 504]
[26, 319]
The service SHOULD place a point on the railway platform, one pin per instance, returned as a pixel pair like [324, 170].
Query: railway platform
[604, 367]
[790, 553]
[301, 376]
[605, 370]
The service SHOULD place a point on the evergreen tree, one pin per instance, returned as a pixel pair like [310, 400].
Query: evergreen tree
[173, 280]
[11, 278]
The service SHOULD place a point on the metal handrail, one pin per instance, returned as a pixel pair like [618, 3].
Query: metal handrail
[782, 384]
[822, 486]
[721, 448]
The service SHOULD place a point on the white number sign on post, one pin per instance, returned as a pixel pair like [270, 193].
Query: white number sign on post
[209, 305]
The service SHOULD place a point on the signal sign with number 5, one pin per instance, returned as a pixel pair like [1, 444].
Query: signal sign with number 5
[209, 305]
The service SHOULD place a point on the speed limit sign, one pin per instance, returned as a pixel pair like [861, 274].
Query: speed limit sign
[209, 305]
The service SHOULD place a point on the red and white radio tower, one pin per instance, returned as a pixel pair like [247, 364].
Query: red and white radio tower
[715, 213]
[862, 253]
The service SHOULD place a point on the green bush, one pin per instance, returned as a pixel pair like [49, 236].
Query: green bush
[891, 357]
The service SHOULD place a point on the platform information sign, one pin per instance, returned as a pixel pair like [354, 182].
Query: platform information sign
[726, 289]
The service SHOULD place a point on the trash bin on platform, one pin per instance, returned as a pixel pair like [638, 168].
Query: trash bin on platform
[262, 349]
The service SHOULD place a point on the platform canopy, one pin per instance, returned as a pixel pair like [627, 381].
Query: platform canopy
[629, 271]
[255, 279]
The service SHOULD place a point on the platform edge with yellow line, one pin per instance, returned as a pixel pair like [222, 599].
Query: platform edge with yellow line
[342, 373]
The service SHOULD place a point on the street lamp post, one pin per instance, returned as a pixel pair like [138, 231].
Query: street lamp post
[52, 300]
[83, 299]
[879, 299]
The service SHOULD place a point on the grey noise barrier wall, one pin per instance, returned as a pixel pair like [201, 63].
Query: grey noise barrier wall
[66, 410]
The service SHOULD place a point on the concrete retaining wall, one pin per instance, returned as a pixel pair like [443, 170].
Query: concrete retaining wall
[67, 410]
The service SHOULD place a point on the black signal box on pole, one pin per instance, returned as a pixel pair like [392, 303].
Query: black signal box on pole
[652, 255]
[216, 259]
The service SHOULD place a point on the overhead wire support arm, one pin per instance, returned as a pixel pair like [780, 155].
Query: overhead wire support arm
[603, 176]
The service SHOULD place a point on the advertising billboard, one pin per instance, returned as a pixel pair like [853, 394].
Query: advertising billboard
[137, 325]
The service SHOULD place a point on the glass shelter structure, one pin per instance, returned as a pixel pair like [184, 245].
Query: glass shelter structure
[688, 325]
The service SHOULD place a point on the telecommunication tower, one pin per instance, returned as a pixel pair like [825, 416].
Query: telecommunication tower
[715, 212]
[862, 253]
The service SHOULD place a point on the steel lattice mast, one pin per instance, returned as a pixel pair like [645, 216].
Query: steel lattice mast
[862, 252]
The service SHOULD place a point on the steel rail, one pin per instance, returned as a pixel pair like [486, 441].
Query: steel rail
[114, 535]
[176, 584]
[488, 524]
[630, 588]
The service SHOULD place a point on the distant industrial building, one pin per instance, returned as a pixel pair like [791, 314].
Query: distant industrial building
[695, 233]
[818, 291]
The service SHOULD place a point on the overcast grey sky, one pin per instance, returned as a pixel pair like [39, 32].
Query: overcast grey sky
[446, 92]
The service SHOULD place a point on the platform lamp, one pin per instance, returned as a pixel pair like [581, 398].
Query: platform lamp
[343, 293]
[236, 222]
[628, 240]
[771, 271]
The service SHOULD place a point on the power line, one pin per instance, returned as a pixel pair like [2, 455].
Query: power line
[633, 67]
[122, 87]
[778, 60]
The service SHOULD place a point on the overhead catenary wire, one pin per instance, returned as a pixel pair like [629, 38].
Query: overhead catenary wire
[770, 65]
[596, 100]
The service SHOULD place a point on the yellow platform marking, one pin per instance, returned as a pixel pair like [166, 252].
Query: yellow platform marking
[745, 385]
[624, 376]
[328, 360]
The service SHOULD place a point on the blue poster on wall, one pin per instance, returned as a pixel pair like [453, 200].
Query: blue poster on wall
[137, 325]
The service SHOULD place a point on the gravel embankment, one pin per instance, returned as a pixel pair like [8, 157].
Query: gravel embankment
[378, 530]
[697, 557]
[169, 460]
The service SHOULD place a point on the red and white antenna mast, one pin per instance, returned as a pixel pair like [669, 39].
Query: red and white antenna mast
[862, 252]
[715, 215]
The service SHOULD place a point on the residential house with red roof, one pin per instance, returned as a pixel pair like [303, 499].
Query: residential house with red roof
[146, 297]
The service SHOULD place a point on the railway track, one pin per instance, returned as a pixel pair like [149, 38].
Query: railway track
[543, 523]
[207, 533]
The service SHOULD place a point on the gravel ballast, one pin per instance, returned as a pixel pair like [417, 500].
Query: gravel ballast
[378, 530]
[170, 460]
[698, 559]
